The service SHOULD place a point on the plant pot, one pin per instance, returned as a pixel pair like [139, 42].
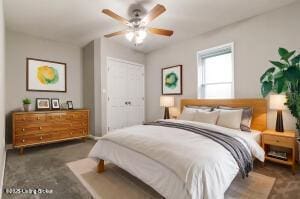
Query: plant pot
[26, 107]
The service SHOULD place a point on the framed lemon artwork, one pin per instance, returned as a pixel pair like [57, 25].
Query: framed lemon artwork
[47, 76]
[172, 80]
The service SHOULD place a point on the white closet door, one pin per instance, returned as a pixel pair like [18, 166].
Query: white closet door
[117, 95]
[135, 92]
[125, 91]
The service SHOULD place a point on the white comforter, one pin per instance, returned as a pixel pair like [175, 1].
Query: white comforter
[205, 168]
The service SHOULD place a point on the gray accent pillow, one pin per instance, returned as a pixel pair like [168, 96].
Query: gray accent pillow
[246, 116]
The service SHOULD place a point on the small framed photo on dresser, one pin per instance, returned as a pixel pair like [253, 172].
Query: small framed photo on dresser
[55, 104]
[42, 104]
[70, 104]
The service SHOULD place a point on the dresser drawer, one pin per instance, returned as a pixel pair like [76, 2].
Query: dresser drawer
[79, 124]
[25, 118]
[279, 141]
[77, 115]
[33, 128]
[31, 139]
[56, 117]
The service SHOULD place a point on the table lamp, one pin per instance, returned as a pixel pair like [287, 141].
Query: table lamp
[166, 101]
[277, 103]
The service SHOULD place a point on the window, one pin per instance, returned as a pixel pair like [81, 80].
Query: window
[215, 73]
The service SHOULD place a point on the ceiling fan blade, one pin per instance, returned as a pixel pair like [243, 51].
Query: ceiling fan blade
[122, 32]
[159, 31]
[115, 16]
[155, 12]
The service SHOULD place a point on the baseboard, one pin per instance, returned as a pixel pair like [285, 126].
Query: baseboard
[8, 146]
[2, 173]
[94, 137]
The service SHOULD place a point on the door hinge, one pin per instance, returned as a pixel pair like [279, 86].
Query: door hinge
[108, 129]
[107, 98]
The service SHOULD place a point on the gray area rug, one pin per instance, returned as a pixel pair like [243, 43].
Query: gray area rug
[45, 166]
[115, 182]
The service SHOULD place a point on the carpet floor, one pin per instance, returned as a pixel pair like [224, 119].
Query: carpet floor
[45, 167]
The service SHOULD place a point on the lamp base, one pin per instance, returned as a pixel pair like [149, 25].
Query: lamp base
[279, 122]
[167, 113]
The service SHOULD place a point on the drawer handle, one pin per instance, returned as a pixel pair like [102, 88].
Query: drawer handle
[41, 137]
[23, 140]
[24, 119]
[71, 133]
[40, 128]
[38, 118]
[23, 130]
[277, 140]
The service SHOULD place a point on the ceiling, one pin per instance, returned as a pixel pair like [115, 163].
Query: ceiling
[80, 21]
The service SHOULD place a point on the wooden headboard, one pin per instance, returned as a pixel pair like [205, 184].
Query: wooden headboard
[259, 118]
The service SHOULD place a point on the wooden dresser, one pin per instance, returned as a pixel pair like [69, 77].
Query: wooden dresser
[43, 127]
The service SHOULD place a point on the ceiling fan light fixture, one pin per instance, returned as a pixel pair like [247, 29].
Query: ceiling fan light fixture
[141, 34]
[129, 36]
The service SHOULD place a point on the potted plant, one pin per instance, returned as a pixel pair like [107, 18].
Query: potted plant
[284, 77]
[26, 104]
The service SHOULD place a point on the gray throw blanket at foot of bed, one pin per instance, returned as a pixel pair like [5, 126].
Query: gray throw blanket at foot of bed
[234, 146]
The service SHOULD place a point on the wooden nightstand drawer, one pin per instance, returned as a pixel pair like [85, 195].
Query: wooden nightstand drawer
[279, 141]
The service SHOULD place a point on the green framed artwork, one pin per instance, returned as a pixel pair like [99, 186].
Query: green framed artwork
[172, 80]
[47, 76]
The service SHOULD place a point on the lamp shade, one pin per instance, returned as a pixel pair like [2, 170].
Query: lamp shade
[277, 102]
[166, 101]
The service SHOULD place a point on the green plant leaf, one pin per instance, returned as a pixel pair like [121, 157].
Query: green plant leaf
[269, 71]
[283, 52]
[279, 84]
[292, 73]
[279, 74]
[278, 64]
[266, 88]
[296, 60]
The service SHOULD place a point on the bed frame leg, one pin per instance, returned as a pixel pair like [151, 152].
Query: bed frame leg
[100, 167]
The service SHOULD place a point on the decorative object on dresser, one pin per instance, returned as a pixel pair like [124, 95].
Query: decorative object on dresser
[55, 104]
[26, 104]
[35, 128]
[42, 104]
[70, 104]
[44, 75]
[172, 80]
[284, 78]
[166, 101]
[277, 102]
[279, 144]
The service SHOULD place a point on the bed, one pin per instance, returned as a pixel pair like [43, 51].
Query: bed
[178, 163]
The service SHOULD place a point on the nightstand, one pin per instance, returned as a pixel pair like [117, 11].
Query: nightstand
[285, 141]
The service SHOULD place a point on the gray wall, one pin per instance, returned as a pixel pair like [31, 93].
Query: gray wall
[88, 81]
[256, 41]
[2, 95]
[103, 48]
[20, 46]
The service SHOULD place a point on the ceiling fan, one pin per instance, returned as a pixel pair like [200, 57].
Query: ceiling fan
[137, 26]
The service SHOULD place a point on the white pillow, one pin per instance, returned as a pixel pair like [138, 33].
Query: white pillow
[230, 118]
[189, 113]
[207, 117]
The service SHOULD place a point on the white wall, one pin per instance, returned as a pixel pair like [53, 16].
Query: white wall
[103, 48]
[2, 96]
[18, 47]
[256, 41]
